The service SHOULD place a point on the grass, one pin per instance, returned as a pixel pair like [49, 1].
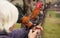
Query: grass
[52, 26]
[17, 26]
[52, 13]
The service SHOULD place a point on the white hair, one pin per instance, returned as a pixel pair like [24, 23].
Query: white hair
[8, 14]
[3, 0]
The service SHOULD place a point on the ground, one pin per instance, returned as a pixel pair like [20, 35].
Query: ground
[52, 26]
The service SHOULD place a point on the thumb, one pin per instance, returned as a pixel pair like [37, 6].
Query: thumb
[35, 32]
[30, 31]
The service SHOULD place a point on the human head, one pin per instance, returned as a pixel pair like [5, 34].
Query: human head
[8, 15]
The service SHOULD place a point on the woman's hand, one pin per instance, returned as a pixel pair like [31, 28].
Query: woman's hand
[32, 34]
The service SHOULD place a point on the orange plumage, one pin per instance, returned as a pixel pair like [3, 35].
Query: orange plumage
[35, 12]
[26, 20]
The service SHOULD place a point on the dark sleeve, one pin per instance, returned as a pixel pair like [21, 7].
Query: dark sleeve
[21, 33]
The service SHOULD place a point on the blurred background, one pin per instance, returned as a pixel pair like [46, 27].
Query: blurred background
[52, 19]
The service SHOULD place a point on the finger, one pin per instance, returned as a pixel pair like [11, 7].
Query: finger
[30, 31]
[40, 27]
[35, 32]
